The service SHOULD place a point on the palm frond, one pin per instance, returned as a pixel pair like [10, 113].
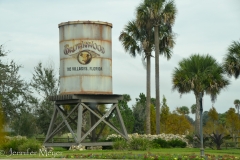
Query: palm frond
[199, 73]
[231, 60]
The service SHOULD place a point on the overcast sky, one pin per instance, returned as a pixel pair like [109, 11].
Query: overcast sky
[29, 29]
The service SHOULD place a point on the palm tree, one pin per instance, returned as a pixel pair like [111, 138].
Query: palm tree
[200, 74]
[231, 62]
[193, 111]
[184, 110]
[162, 16]
[237, 106]
[140, 39]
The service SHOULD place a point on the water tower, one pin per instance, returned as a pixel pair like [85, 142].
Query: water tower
[85, 83]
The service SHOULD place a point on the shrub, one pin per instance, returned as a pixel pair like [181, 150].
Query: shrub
[156, 141]
[21, 144]
[155, 145]
[218, 139]
[114, 138]
[13, 143]
[160, 142]
[139, 144]
[177, 143]
[120, 145]
[190, 138]
[30, 145]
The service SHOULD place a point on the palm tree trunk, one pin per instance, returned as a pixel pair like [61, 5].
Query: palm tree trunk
[148, 123]
[238, 119]
[238, 111]
[195, 123]
[197, 120]
[156, 39]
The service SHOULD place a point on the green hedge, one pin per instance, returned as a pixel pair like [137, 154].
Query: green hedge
[20, 144]
[145, 144]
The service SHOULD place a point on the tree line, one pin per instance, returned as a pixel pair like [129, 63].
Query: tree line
[27, 109]
[178, 121]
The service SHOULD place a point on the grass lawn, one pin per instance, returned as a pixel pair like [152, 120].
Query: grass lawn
[163, 153]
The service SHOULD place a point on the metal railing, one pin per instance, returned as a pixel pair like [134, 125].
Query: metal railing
[57, 140]
[234, 144]
[230, 145]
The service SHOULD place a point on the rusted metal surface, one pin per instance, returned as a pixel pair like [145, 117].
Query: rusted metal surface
[87, 98]
[85, 57]
[61, 97]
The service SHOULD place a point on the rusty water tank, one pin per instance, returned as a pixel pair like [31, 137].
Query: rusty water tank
[85, 57]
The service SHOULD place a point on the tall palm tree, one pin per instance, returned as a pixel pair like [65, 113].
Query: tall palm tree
[162, 16]
[231, 62]
[200, 74]
[140, 39]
